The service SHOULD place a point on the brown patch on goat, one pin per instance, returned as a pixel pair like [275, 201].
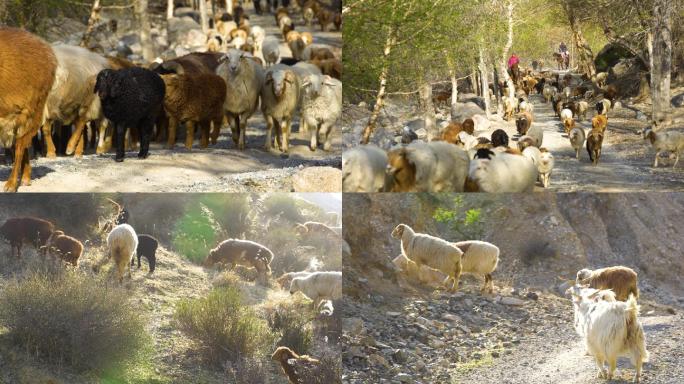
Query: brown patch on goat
[65, 247]
[32, 230]
[330, 67]
[401, 172]
[568, 124]
[451, 131]
[622, 280]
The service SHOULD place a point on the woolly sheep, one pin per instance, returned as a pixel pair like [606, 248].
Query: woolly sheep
[319, 51]
[582, 107]
[479, 258]
[621, 280]
[318, 286]
[502, 172]
[244, 79]
[549, 92]
[545, 167]
[20, 230]
[65, 247]
[424, 249]
[279, 100]
[499, 138]
[27, 75]
[286, 278]
[422, 273]
[523, 122]
[565, 114]
[258, 34]
[577, 137]
[427, 167]
[122, 243]
[363, 169]
[271, 50]
[667, 141]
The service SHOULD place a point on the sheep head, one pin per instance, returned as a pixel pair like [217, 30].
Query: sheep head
[107, 85]
[469, 126]
[279, 80]
[582, 275]
[400, 172]
[294, 285]
[313, 84]
[234, 57]
[398, 231]
[521, 125]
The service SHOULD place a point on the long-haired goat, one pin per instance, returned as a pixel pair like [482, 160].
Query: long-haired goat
[122, 243]
[65, 247]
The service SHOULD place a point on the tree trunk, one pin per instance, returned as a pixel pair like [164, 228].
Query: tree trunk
[94, 18]
[584, 54]
[662, 62]
[507, 48]
[169, 9]
[454, 89]
[143, 17]
[497, 92]
[425, 94]
[382, 80]
[229, 6]
[475, 83]
[203, 16]
[485, 86]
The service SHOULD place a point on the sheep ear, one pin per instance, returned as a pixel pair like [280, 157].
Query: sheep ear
[329, 81]
[223, 58]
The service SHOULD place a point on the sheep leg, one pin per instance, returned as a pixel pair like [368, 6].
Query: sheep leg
[11, 183]
[76, 139]
[269, 130]
[205, 126]
[326, 130]
[145, 136]
[676, 160]
[26, 170]
[285, 129]
[655, 164]
[104, 143]
[47, 136]
[242, 128]
[612, 362]
[120, 143]
[190, 134]
[216, 131]
[638, 365]
[173, 125]
[456, 277]
[234, 129]
[314, 139]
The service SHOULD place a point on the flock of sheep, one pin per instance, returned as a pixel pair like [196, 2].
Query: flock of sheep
[604, 300]
[42, 84]
[458, 161]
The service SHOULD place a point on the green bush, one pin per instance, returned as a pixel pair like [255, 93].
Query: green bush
[75, 320]
[292, 325]
[224, 327]
[232, 212]
[195, 233]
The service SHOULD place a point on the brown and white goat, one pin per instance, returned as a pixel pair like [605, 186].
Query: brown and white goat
[622, 280]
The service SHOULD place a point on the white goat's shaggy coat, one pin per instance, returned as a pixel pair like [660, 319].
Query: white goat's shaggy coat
[363, 169]
[431, 251]
[321, 106]
[577, 137]
[479, 258]
[122, 243]
[504, 173]
[319, 286]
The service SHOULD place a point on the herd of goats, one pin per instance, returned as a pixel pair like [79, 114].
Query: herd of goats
[241, 71]
[124, 244]
[604, 300]
[457, 160]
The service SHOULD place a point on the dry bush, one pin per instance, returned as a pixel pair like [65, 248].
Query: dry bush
[70, 318]
[225, 328]
[292, 325]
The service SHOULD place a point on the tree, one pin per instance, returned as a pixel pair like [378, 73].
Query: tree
[92, 20]
[141, 13]
[203, 15]
[661, 59]
[169, 9]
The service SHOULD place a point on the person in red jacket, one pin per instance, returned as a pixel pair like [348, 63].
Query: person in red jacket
[513, 60]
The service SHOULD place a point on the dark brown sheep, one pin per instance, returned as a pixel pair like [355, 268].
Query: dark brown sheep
[27, 71]
[330, 67]
[192, 63]
[243, 252]
[451, 131]
[523, 122]
[194, 99]
[32, 230]
[594, 144]
[65, 247]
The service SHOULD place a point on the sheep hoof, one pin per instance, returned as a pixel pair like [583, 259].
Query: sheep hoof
[51, 155]
[312, 148]
[119, 159]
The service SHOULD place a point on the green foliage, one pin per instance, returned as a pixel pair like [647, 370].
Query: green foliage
[224, 328]
[467, 222]
[292, 325]
[231, 212]
[195, 233]
[72, 319]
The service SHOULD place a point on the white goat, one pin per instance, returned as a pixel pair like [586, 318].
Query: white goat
[665, 141]
[319, 286]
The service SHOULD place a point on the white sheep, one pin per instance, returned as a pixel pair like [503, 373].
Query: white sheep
[565, 114]
[479, 258]
[319, 286]
[258, 34]
[424, 249]
[502, 172]
[537, 133]
[482, 123]
[122, 243]
[321, 106]
[582, 107]
[611, 329]
[665, 141]
[363, 169]
[286, 278]
[545, 167]
[427, 167]
[422, 273]
[577, 137]
[549, 92]
[525, 105]
[271, 50]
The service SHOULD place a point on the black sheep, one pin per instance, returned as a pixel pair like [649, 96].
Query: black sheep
[499, 138]
[147, 246]
[131, 97]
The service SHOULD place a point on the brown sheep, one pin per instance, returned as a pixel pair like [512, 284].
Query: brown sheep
[298, 368]
[320, 53]
[243, 252]
[404, 176]
[325, 17]
[523, 122]
[568, 124]
[469, 126]
[594, 144]
[192, 63]
[622, 280]
[525, 142]
[194, 99]
[611, 93]
[451, 131]
[67, 248]
[599, 122]
[26, 76]
[337, 20]
[330, 67]
[312, 228]
[279, 14]
[32, 230]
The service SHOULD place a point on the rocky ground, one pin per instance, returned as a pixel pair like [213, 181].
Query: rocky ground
[626, 163]
[397, 331]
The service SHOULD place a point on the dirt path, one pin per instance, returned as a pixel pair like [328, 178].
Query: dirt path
[219, 168]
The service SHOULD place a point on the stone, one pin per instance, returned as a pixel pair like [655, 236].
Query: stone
[353, 326]
[400, 356]
[178, 28]
[532, 296]
[512, 301]
[378, 360]
[404, 378]
[678, 101]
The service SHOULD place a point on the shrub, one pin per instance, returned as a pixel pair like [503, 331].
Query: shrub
[224, 327]
[195, 233]
[232, 212]
[292, 325]
[468, 223]
[284, 206]
[74, 319]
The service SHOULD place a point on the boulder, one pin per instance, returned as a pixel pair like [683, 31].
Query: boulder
[187, 12]
[178, 28]
[678, 101]
[462, 111]
[610, 55]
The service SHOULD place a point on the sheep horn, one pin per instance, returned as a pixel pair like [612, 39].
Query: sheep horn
[117, 205]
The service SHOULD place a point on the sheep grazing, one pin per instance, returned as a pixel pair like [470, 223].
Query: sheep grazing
[28, 73]
[271, 50]
[523, 122]
[286, 278]
[247, 253]
[502, 172]
[321, 106]
[194, 99]
[424, 249]
[318, 286]
[479, 258]
[426, 167]
[147, 246]
[131, 98]
[577, 137]
[499, 138]
[244, 79]
[621, 280]
[594, 143]
[667, 141]
[65, 247]
[611, 329]
[122, 243]
[422, 273]
[279, 100]
[20, 230]
[296, 367]
[363, 169]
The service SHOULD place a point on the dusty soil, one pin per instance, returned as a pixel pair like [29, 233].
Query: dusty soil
[398, 331]
[219, 168]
